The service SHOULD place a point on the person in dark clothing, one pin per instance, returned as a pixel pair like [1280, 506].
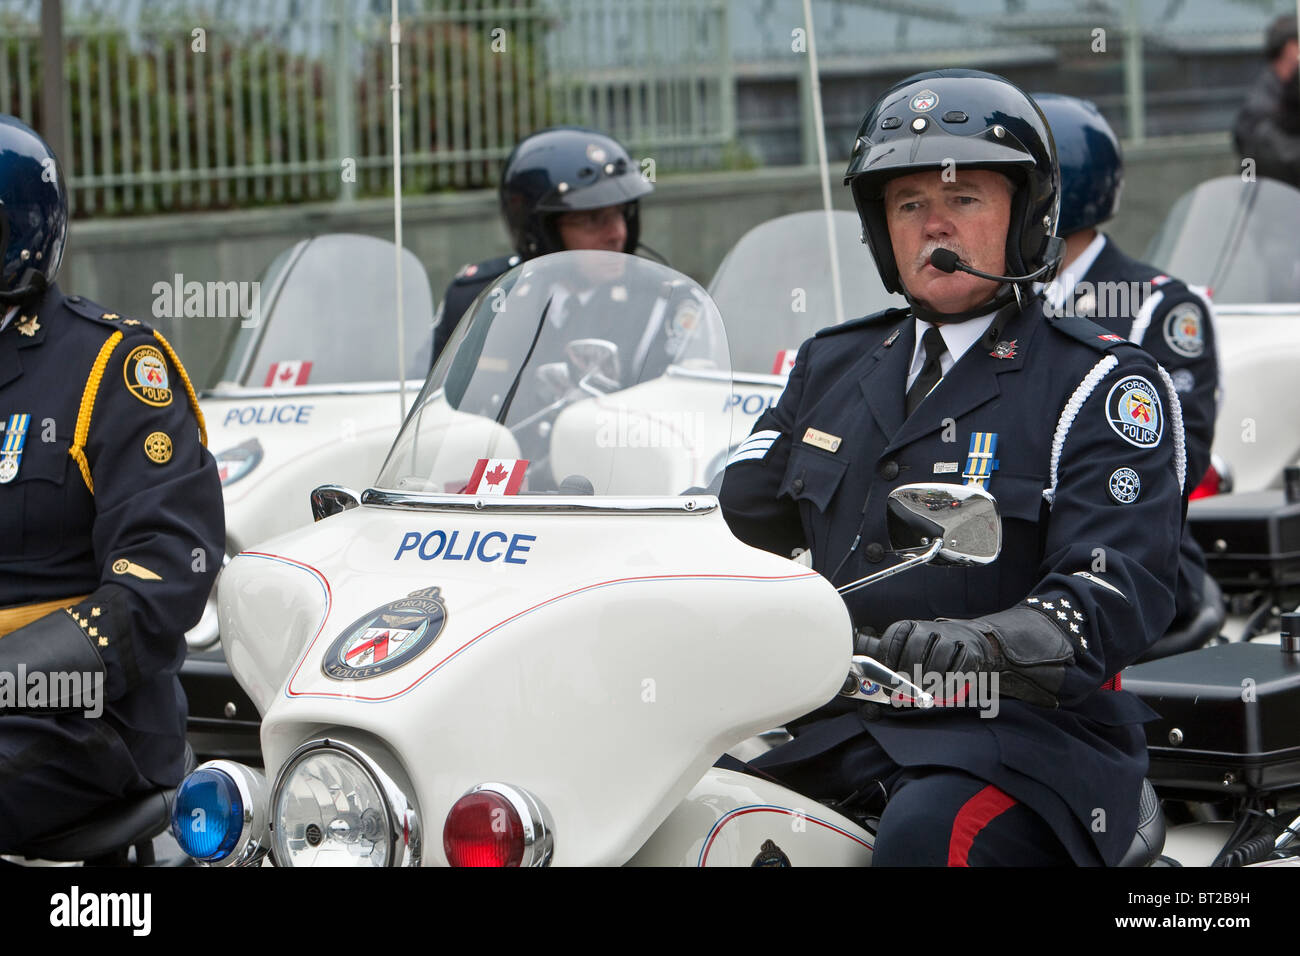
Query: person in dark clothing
[1267, 129]
[111, 527]
[561, 188]
[1077, 434]
[1170, 320]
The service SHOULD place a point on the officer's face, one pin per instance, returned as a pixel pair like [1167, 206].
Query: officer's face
[969, 216]
[604, 228]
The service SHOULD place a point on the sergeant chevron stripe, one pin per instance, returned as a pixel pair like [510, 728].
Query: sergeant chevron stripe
[755, 446]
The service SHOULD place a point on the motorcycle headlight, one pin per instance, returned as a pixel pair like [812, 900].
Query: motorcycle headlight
[334, 806]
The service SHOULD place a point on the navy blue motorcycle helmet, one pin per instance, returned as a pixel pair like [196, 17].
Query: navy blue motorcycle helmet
[1092, 167]
[976, 120]
[33, 212]
[564, 169]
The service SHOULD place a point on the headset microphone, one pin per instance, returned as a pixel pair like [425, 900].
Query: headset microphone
[945, 260]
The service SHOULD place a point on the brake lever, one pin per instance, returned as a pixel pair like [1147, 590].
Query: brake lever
[868, 679]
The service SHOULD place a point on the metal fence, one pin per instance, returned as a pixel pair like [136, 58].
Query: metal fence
[211, 104]
[185, 105]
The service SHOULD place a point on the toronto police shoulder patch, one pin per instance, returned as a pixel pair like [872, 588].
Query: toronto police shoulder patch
[1184, 329]
[387, 637]
[1134, 411]
[145, 371]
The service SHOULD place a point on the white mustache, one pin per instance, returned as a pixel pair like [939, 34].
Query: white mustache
[923, 259]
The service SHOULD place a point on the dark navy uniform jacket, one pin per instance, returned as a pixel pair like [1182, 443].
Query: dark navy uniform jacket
[464, 289]
[1176, 326]
[1087, 481]
[116, 498]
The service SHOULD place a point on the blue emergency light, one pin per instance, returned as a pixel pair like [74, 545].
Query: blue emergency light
[208, 815]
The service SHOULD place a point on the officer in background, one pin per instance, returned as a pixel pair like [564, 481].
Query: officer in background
[1073, 430]
[1171, 321]
[1267, 129]
[111, 527]
[561, 188]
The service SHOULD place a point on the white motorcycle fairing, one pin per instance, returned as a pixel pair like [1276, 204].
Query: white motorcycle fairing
[589, 646]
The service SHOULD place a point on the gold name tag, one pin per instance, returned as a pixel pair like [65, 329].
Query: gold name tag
[822, 440]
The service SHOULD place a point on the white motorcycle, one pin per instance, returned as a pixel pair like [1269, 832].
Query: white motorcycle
[493, 659]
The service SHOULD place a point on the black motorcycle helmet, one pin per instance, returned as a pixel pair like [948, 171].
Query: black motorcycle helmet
[563, 169]
[1092, 168]
[979, 121]
[33, 212]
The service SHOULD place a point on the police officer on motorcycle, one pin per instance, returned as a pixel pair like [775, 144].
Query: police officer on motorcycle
[561, 188]
[1171, 321]
[111, 527]
[1077, 434]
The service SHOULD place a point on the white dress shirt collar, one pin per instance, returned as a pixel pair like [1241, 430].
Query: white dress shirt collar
[958, 337]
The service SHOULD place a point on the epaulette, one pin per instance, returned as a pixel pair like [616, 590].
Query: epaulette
[97, 313]
[485, 271]
[1087, 331]
[879, 318]
[123, 328]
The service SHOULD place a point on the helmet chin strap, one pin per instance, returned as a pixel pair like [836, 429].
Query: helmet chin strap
[1007, 294]
[31, 284]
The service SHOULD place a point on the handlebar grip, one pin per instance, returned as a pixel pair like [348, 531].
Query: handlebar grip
[866, 642]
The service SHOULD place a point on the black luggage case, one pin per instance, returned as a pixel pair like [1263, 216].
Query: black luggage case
[1229, 718]
[1251, 541]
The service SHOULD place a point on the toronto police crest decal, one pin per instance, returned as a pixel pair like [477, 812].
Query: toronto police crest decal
[387, 637]
[1134, 411]
[924, 101]
[771, 855]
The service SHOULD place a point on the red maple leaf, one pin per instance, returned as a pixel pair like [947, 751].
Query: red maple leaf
[286, 373]
[496, 475]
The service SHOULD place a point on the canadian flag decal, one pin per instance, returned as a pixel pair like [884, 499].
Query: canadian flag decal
[784, 362]
[497, 476]
[287, 374]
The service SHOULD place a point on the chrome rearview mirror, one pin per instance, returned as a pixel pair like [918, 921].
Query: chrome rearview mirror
[939, 523]
[964, 517]
[328, 500]
[596, 361]
[554, 380]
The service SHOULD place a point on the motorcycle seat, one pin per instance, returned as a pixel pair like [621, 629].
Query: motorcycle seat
[1150, 837]
[1197, 632]
[105, 837]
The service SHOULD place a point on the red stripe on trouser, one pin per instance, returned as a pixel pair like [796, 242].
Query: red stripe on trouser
[975, 814]
[1112, 684]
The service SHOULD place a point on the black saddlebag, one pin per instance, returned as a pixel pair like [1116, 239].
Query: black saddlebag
[1229, 718]
[1251, 541]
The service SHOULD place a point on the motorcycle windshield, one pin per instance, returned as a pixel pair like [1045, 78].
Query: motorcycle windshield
[328, 316]
[1236, 238]
[578, 373]
[774, 287]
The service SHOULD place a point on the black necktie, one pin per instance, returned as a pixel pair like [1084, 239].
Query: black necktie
[931, 371]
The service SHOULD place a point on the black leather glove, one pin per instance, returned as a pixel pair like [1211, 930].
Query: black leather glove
[1025, 649]
[51, 645]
